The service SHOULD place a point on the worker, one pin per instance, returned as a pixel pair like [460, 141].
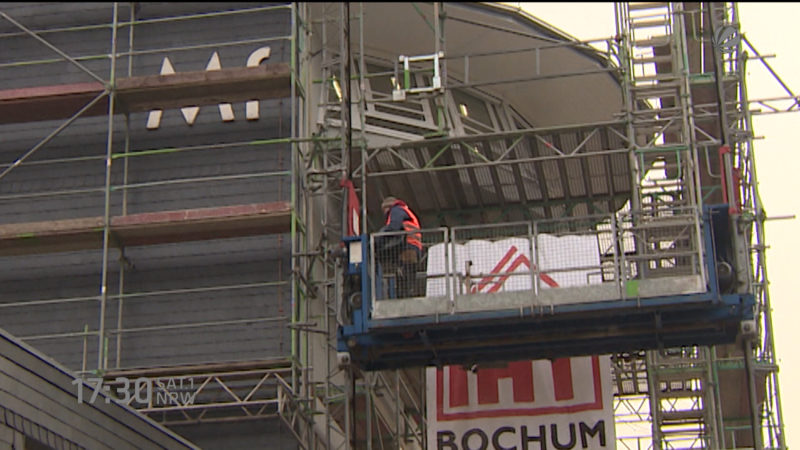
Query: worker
[401, 254]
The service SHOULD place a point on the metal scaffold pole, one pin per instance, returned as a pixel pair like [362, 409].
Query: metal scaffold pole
[753, 207]
[123, 261]
[102, 343]
[485, 137]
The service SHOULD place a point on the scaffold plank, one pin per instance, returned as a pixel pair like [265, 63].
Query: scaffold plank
[54, 236]
[50, 102]
[143, 93]
[204, 87]
[201, 224]
[145, 228]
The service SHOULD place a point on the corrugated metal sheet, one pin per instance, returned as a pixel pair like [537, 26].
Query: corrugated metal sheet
[555, 172]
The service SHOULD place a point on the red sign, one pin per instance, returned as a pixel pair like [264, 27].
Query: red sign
[560, 388]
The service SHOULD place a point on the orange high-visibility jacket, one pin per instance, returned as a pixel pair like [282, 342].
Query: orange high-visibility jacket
[410, 223]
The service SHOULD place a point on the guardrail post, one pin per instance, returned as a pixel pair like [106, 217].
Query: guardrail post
[532, 268]
[617, 268]
[449, 270]
[536, 269]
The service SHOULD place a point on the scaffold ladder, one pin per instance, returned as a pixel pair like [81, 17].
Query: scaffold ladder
[334, 389]
[666, 184]
[660, 126]
[682, 399]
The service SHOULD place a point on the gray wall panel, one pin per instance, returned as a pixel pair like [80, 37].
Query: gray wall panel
[266, 434]
[167, 289]
[42, 188]
[86, 47]
[66, 267]
[212, 344]
[233, 36]
[51, 15]
[170, 287]
[23, 191]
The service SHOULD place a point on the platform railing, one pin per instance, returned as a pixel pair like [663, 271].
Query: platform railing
[538, 264]
[399, 271]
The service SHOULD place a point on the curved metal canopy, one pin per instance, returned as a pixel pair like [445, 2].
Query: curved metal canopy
[559, 87]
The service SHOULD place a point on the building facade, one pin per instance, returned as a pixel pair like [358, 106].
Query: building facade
[175, 188]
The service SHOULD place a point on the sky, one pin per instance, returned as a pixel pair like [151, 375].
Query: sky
[768, 27]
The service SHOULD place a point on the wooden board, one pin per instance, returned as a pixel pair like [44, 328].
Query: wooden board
[144, 93]
[146, 228]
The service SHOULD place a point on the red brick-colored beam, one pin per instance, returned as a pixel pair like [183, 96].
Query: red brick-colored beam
[201, 224]
[144, 93]
[146, 228]
[237, 84]
[50, 102]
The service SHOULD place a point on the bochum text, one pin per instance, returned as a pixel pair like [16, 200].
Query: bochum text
[580, 435]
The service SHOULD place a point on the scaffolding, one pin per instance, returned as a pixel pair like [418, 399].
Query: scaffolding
[345, 125]
[117, 232]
